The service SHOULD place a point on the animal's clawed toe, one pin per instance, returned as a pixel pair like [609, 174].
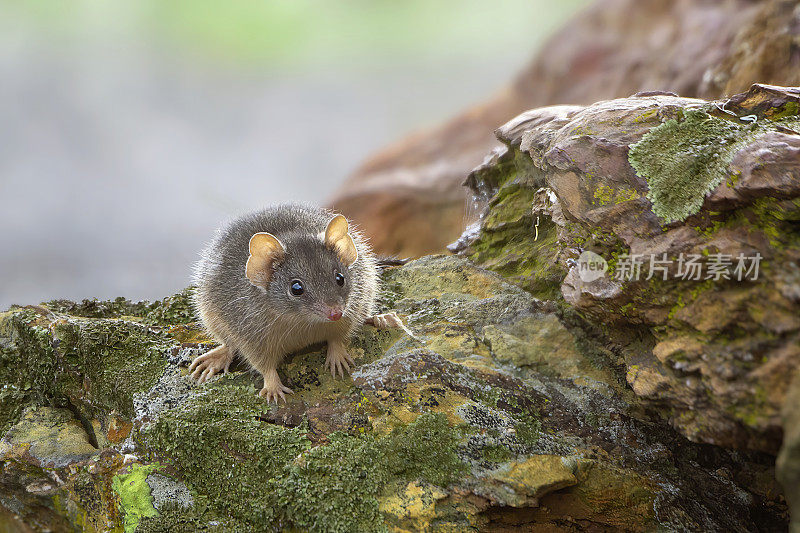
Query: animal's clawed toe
[339, 366]
[272, 395]
[202, 369]
[338, 361]
[273, 389]
[209, 364]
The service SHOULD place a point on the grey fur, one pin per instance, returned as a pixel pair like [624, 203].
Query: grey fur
[266, 324]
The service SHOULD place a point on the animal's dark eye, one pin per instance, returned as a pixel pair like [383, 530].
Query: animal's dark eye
[339, 279]
[296, 287]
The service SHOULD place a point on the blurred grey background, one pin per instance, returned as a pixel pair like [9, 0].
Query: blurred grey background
[130, 130]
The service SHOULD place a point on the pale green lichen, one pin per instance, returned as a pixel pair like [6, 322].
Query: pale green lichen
[136, 502]
[685, 159]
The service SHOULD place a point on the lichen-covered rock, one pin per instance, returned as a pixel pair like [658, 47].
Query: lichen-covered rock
[504, 412]
[49, 436]
[690, 211]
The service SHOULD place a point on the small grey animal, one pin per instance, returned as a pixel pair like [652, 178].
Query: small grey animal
[280, 279]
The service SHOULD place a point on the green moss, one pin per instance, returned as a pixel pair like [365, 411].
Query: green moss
[496, 453]
[608, 246]
[603, 194]
[178, 519]
[677, 307]
[12, 402]
[530, 266]
[94, 365]
[626, 195]
[27, 364]
[623, 497]
[136, 502]
[77, 515]
[777, 219]
[683, 160]
[222, 430]
[425, 449]
[788, 109]
[513, 253]
[95, 308]
[274, 478]
[28, 342]
[335, 487]
[116, 357]
[755, 412]
[528, 430]
[175, 309]
[487, 180]
[647, 115]
[579, 131]
[514, 242]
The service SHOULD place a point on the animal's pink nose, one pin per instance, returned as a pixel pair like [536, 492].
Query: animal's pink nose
[334, 313]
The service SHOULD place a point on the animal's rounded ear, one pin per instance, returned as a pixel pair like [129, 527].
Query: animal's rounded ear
[265, 251]
[338, 238]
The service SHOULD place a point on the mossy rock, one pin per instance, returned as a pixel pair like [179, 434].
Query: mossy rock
[499, 401]
[660, 180]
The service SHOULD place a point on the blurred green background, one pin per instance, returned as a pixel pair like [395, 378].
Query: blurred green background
[301, 34]
[129, 130]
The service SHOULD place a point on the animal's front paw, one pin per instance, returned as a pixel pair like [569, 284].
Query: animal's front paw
[272, 394]
[211, 363]
[338, 359]
[386, 321]
[273, 389]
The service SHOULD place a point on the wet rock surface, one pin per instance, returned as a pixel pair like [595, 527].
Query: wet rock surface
[506, 412]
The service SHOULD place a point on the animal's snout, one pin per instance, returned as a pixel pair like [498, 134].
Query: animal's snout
[334, 313]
